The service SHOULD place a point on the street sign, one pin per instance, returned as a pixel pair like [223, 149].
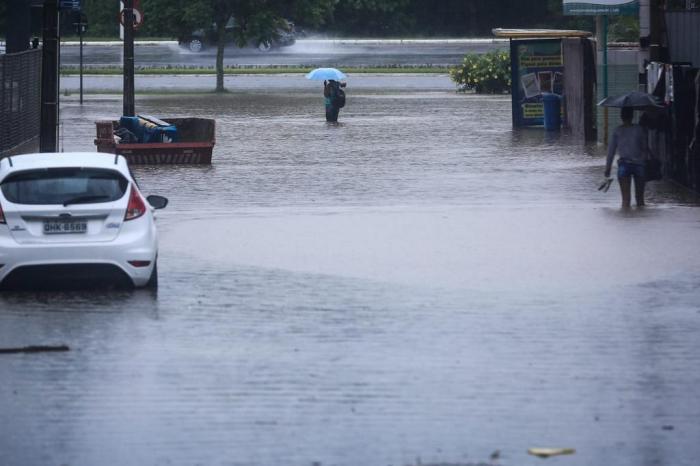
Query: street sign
[81, 27]
[601, 7]
[138, 18]
[73, 5]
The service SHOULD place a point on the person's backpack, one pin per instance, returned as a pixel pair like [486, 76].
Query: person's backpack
[339, 97]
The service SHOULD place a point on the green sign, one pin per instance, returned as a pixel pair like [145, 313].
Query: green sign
[601, 7]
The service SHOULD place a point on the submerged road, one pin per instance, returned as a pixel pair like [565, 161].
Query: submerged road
[419, 285]
[311, 52]
[291, 83]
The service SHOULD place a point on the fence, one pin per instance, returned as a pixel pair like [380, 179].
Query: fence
[20, 102]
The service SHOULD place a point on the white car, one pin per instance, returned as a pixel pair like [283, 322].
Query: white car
[77, 218]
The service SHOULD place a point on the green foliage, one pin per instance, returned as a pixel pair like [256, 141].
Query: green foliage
[175, 18]
[373, 17]
[359, 18]
[102, 17]
[624, 29]
[258, 21]
[485, 74]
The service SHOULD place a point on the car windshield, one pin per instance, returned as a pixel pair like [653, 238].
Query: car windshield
[64, 186]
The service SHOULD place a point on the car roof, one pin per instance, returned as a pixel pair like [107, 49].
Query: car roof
[63, 159]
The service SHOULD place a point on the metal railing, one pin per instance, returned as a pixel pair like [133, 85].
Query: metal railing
[20, 101]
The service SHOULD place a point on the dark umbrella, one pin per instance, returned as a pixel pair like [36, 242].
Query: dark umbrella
[637, 100]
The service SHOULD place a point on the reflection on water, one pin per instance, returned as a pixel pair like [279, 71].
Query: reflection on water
[419, 282]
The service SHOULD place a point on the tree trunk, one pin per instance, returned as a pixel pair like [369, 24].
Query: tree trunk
[220, 44]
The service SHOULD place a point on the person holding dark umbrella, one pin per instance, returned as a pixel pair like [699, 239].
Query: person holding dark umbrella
[630, 141]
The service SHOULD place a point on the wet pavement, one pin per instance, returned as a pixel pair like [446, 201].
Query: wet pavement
[305, 52]
[418, 285]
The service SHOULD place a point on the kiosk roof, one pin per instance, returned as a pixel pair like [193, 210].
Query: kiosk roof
[539, 33]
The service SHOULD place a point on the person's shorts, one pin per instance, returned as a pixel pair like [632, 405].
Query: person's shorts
[627, 169]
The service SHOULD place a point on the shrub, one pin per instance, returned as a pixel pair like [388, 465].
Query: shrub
[483, 73]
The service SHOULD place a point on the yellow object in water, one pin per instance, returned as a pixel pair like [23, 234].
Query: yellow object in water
[547, 452]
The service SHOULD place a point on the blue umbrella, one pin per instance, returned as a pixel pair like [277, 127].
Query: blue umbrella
[324, 74]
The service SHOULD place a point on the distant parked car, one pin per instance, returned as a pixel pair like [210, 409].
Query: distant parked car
[284, 36]
[78, 218]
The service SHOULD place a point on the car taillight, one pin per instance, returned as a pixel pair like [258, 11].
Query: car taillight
[136, 207]
[2, 215]
[140, 263]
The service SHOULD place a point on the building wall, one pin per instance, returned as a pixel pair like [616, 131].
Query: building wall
[579, 87]
[683, 31]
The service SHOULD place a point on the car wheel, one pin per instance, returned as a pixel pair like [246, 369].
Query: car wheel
[264, 46]
[195, 45]
[152, 283]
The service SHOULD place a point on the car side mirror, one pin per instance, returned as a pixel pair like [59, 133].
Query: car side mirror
[157, 202]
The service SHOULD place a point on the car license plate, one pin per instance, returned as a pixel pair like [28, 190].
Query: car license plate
[53, 227]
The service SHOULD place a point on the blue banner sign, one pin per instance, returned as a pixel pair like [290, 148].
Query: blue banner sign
[601, 7]
[73, 5]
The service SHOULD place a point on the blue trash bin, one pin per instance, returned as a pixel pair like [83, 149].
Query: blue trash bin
[552, 112]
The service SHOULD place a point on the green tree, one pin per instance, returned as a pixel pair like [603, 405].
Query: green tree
[624, 29]
[443, 18]
[260, 20]
[175, 18]
[254, 20]
[102, 17]
[373, 17]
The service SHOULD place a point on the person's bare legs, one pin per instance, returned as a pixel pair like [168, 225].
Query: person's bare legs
[639, 191]
[625, 187]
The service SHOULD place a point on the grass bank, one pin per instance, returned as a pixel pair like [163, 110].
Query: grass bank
[242, 70]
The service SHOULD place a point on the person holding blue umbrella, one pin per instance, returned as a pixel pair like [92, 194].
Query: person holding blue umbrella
[332, 90]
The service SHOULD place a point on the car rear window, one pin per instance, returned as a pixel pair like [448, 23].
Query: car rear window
[64, 185]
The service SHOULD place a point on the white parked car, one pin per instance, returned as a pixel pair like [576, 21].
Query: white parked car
[75, 217]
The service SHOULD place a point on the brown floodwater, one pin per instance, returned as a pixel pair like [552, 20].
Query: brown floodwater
[420, 284]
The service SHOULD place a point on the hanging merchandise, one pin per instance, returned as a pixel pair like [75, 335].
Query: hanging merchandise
[654, 70]
[668, 98]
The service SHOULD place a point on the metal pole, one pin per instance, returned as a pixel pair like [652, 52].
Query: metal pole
[605, 77]
[128, 16]
[48, 133]
[655, 40]
[80, 32]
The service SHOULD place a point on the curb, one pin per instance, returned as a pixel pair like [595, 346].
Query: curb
[115, 43]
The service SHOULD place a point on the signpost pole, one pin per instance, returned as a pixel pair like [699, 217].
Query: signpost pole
[128, 15]
[605, 77]
[48, 137]
[80, 33]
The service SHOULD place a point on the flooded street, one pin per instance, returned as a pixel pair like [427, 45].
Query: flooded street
[419, 285]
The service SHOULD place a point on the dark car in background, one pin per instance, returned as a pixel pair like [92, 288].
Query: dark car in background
[201, 39]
